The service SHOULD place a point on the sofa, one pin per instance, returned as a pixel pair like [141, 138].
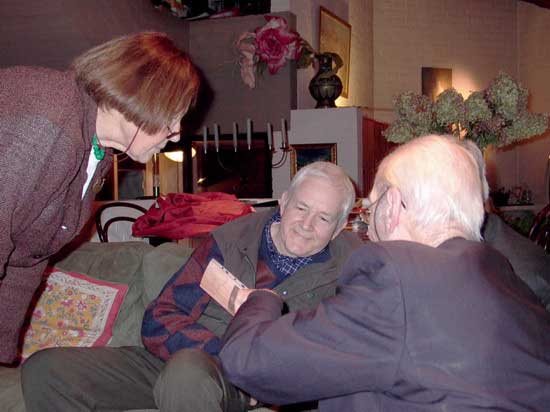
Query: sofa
[144, 268]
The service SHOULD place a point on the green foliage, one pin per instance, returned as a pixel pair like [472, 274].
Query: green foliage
[496, 116]
[307, 56]
[477, 108]
[449, 110]
[503, 95]
[525, 124]
[399, 131]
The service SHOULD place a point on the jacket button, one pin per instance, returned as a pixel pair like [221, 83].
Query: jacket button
[63, 227]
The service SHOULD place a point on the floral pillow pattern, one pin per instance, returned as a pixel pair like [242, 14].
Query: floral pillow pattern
[73, 310]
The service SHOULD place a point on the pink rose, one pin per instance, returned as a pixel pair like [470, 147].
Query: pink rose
[275, 43]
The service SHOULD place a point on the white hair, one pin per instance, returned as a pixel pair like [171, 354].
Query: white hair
[478, 157]
[336, 176]
[440, 183]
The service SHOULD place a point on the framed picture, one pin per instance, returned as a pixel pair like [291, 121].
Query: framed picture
[304, 154]
[435, 80]
[335, 37]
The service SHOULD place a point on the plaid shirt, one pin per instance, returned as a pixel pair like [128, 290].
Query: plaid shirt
[170, 321]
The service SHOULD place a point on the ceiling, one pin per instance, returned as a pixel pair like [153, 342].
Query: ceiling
[541, 3]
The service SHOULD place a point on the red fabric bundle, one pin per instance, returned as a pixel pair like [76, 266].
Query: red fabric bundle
[182, 215]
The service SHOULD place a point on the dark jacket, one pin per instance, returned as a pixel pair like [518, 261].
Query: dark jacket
[413, 328]
[46, 127]
[239, 243]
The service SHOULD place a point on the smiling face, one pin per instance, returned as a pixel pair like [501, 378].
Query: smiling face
[309, 218]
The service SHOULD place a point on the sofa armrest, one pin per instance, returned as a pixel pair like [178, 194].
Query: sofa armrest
[144, 268]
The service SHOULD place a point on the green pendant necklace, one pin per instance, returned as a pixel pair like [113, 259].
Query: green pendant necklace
[99, 152]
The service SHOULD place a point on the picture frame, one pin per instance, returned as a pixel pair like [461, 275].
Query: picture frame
[304, 154]
[335, 37]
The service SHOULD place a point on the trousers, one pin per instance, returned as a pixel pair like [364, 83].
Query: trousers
[128, 378]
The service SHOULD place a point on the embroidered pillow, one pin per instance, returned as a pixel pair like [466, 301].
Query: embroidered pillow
[73, 310]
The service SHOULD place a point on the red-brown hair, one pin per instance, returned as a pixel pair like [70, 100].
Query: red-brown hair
[144, 76]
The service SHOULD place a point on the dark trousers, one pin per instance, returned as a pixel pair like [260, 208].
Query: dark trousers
[120, 379]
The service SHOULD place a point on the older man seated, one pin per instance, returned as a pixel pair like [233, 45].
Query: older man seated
[296, 250]
[427, 317]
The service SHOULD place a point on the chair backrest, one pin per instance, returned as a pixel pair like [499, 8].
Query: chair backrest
[540, 230]
[102, 227]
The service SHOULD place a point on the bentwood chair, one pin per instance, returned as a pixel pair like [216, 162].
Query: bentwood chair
[102, 226]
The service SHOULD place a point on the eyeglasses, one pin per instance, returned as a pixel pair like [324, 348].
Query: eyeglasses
[368, 205]
[171, 134]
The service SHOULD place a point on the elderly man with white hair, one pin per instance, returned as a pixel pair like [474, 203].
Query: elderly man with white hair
[427, 317]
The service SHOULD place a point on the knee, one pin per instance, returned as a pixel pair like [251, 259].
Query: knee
[191, 366]
[190, 377]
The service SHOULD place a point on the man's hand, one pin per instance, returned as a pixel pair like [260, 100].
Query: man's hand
[242, 296]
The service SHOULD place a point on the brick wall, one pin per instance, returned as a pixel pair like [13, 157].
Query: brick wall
[534, 69]
[475, 38]
[525, 164]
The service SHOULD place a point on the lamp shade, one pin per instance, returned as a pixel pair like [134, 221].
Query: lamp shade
[177, 156]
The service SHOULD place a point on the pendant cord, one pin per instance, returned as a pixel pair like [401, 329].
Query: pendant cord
[100, 151]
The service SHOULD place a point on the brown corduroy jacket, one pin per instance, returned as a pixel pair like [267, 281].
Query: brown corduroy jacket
[46, 127]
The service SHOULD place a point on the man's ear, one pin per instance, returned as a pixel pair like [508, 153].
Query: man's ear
[393, 210]
[282, 202]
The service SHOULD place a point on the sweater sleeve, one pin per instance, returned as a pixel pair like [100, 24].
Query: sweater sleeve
[25, 150]
[170, 321]
[351, 342]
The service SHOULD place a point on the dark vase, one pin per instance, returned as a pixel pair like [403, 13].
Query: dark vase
[326, 86]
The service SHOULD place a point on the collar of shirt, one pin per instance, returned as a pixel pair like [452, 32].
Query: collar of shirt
[285, 264]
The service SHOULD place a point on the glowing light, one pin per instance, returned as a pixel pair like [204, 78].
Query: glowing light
[177, 156]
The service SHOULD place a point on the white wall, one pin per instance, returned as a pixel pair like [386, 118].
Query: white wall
[534, 73]
[342, 126]
[475, 38]
[525, 164]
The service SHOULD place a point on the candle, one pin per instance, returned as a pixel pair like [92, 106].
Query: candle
[283, 133]
[235, 136]
[269, 136]
[249, 133]
[205, 138]
[217, 137]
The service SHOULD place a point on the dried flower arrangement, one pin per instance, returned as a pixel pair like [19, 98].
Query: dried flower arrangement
[495, 116]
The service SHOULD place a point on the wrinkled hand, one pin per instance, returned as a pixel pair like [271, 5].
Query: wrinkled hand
[242, 296]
